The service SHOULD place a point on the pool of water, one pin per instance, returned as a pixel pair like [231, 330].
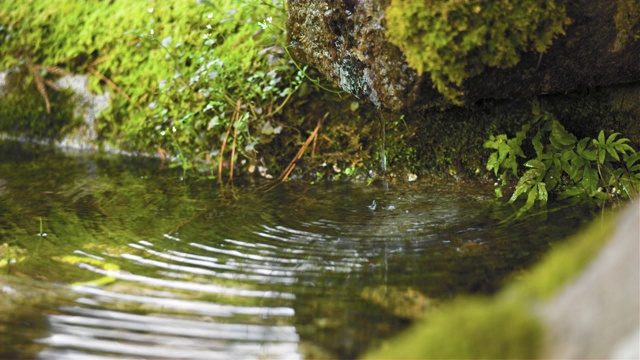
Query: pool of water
[106, 257]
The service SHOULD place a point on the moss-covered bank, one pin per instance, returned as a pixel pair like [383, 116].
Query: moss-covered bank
[505, 326]
[211, 86]
[450, 141]
[454, 41]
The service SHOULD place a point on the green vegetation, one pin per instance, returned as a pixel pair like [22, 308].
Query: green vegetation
[470, 328]
[209, 85]
[456, 40]
[23, 113]
[190, 80]
[601, 169]
[626, 18]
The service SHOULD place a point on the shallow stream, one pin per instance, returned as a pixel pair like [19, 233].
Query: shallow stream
[104, 257]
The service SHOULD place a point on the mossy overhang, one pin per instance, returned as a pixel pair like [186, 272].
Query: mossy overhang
[347, 42]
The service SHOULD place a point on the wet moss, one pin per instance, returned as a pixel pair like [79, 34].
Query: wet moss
[563, 263]
[23, 111]
[449, 142]
[456, 40]
[470, 328]
[627, 19]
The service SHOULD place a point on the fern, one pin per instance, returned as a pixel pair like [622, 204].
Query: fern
[602, 169]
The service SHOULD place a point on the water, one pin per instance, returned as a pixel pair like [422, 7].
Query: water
[118, 258]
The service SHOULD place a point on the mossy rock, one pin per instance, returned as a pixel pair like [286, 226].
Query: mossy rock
[456, 40]
[23, 111]
[506, 325]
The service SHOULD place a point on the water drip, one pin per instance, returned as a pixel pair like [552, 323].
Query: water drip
[383, 156]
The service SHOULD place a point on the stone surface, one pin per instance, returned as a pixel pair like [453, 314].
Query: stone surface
[598, 314]
[345, 40]
[88, 106]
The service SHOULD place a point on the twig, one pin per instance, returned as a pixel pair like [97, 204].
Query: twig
[53, 69]
[292, 165]
[233, 154]
[52, 85]
[313, 148]
[236, 115]
[183, 223]
[109, 82]
[39, 83]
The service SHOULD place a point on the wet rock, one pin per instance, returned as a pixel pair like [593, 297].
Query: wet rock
[88, 107]
[345, 40]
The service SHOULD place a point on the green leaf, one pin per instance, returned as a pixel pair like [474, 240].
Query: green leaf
[623, 148]
[493, 142]
[552, 178]
[600, 138]
[503, 151]
[492, 163]
[612, 137]
[589, 179]
[560, 137]
[589, 155]
[530, 176]
[536, 164]
[520, 189]
[613, 153]
[531, 199]
[543, 196]
[572, 192]
[582, 144]
[630, 160]
[537, 144]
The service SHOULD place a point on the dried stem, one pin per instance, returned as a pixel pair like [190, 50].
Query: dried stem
[54, 70]
[39, 83]
[292, 165]
[233, 154]
[234, 118]
[109, 82]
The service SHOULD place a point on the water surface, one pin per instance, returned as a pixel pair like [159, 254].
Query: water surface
[112, 258]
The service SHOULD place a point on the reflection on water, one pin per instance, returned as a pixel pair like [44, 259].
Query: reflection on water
[139, 264]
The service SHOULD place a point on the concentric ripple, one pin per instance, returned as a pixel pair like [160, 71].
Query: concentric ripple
[135, 264]
[236, 289]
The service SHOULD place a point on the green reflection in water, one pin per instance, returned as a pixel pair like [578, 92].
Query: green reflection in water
[316, 264]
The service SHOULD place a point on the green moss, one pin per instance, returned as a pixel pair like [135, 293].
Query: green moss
[23, 111]
[180, 72]
[469, 328]
[447, 142]
[456, 40]
[627, 18]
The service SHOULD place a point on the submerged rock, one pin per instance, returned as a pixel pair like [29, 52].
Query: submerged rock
[405, 303]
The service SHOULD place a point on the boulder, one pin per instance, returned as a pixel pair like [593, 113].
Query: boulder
[347, 42]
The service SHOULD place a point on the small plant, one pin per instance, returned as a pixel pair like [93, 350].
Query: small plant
[602, 169]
